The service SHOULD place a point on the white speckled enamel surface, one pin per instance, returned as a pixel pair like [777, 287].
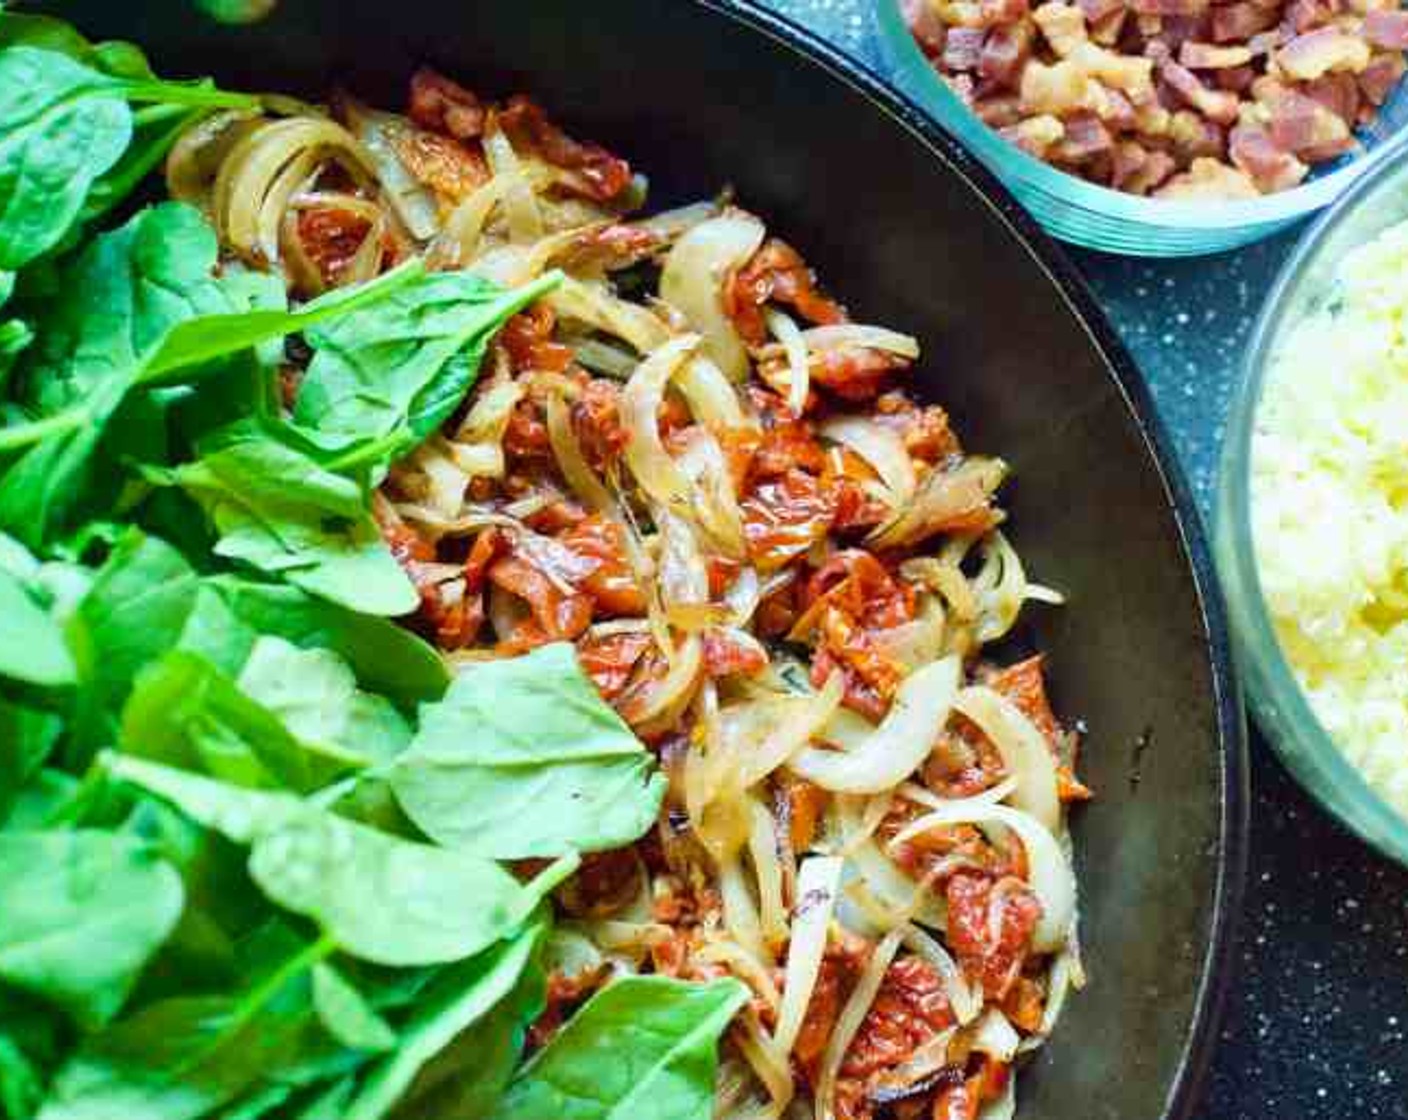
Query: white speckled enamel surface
[1317, 1024]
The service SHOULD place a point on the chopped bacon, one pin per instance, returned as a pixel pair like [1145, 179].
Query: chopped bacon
[1086, 137]
[785, 516]
[776, 272]
[593, 172]
[1381, 77]
[963, 49]
[440, 104]
[610, 661]
[1233, 23]
[331, 237]
[1387, 29]
[1339, 93]
[989, 929]
[1217, 105]
[1271, 167]
[1097, 10]
[926, 25]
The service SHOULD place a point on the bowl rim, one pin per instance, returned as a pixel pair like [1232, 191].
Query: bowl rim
[1191, 1073]
[1321, 767]
[1270, 211]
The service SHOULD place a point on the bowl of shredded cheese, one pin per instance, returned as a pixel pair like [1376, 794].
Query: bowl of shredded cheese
[1312, 520]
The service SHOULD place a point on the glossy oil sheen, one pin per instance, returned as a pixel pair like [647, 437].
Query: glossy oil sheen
[914, 235]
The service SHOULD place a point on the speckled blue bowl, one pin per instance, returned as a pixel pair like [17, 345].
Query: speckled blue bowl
[1099, 218]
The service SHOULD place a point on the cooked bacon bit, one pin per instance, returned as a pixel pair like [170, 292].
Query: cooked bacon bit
[1269, 166]
[1062, 25]
[1339, 93]
[612, 582]
[602, 885]
[725, 656]
[1005, 52]
[1232, 23]
[1195, 136]
[330, 237]
[784, 517]
[963, 49]
[926, 25]
[594, 173]
[440, 104]
[1317, 52]
[1302, 125]
[1206, 56]
[1217, 105]
[555, 614]
[776, 272]
[989, 929]
[1381, 77]
[1387, 29]
[610, 661]
[909, 1009]
[1171, 7]
[1086, 136]
[841, 966]
[1097, 10]
[528, 339]
[441, 163]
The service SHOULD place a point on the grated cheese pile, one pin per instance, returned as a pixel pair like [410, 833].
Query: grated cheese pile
[1330, 509]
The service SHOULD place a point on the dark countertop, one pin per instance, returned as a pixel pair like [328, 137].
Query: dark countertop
[1317, 1021]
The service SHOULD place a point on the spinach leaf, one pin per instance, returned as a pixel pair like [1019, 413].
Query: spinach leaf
[459, 999]
[315, 694]
[523, 758]
[386, 658]
[236, 11]
[27, 737]
[32, 646]
[643, 1048]
[186, 713]
[84, 912]
[379, 898]
[277, 510]
[346, 1015]
[63, 124]
[30, 1043]
[383, 380]
[180, 1058]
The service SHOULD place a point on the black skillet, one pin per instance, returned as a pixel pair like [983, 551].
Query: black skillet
[915, 235]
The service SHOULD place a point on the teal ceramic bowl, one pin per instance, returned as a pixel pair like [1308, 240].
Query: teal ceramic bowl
[1375, 202]
[1099, 218]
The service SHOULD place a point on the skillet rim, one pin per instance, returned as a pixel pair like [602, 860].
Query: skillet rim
[1209, 1004]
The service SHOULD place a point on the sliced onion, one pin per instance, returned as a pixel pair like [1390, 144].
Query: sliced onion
[477, 445]
[994, 1035]
[1000, 587]
[591, 303]
[900, 744]
[993, 795]
[743, 964]
[670, 225]
[837, 336]
[897, 893]
[1025, 752]
[1065, 976]
[196, 157]
[818, 883]
[848, 1022]
[769, 1063]
[714, 505]
[966, 1003]
[506, 612]
[879, 446]
[711, 397]
[1050, 875]
[655, 472]
[658, 707]
[928, 1058]
[942, 496]
[767, 867]
[799, 378]
[740, 911]
[743, 596]
[793, 731]
[847, 730]
[525, 221]
[693, 277]
[918, 642]
[413, 201]
[567, 450]
[602, 357]
[457, 244]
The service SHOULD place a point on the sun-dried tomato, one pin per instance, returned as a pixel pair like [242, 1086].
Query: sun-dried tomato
[564, 994]
[859, 584]
[1025, 1004]
[442, 163]
[611, 660]
[775, 273]
[438, 103]
[602, 885]
[989, 928]
[1024, 684]
[528, 339]
[841, 965]
[593, 172]
[725, 655]
[331, 237]
[784, 517]
[612, 584]
[801, 804]
[596, 418]
[786, 445]
[871, 675]
[611, 247]
[855, 373]
[941, 853]
[555, 615]
[925, 430]
[910, 1008]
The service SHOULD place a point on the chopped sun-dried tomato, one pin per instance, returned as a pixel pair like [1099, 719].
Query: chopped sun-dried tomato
[593, 172]
[776, 272]
[612, 584]
[528, 339]
[611, 247]
[725, 655]
[801, 804]
[855, 373]
[442, 163]
[841, 965]
[784, 517]
[786, 445]
[910, 1008]
[1024, 684]
[871, 675]
[331, 237]
[938, 854]
[564, 994]
[554, 614]
[925, 430]
[611, 660]
[446, 106]
[989, 929]
[596, 418]
[859, 584]
[1025, 1004]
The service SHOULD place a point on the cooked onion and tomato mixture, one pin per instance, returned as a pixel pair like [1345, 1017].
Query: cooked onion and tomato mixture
[571, 639]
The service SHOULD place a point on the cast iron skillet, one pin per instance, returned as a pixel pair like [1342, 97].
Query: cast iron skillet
[913, 234]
